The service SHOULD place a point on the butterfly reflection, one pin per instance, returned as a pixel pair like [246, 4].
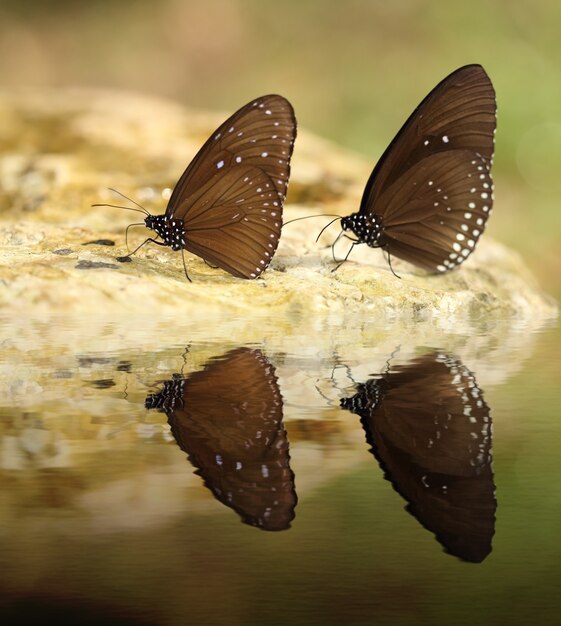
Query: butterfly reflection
[430, 430]
[228, 419]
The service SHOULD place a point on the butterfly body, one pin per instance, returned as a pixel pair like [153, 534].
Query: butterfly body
[169, 398]
[172, 231]
[367, 397]
[429, 196]
[368, 229]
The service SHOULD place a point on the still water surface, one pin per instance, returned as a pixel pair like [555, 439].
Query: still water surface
[328, 475]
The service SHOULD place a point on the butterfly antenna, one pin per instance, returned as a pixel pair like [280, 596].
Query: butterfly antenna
[129, 199]
[140, 208]
[327, 226]
[329, 400]
[117, 206]
[307, 217]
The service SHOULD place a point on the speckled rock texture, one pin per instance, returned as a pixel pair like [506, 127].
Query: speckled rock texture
[60, 153]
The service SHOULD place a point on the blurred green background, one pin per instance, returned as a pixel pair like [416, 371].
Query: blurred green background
[354, 71]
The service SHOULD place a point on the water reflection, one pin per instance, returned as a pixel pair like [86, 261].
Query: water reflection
[227, 417]
[431, 432]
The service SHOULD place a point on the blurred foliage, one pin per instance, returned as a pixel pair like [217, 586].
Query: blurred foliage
[354, 71]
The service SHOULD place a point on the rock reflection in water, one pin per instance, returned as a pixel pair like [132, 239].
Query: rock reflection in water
[228, 419]
[431, 432]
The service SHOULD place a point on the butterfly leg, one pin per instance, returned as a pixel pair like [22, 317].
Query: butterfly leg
[184, 355]
[333, 245]
[326, 226]
[334, 382]
[346, 256]
[127, 233]
[390, 264]
[185, 266]
[128, 256]
[342, 234]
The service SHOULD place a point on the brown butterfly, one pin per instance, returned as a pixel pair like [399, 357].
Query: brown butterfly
[428, 198]
[227, 206]
[227, 417]
[430, 430]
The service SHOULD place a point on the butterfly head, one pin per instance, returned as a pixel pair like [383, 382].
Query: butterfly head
[367, 228]
[150, 221]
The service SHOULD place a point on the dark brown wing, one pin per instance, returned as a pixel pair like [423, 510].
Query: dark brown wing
[458, 114]
[436, 212]
[430, 429]
[260, 134]
[229, 422]
[235, 221]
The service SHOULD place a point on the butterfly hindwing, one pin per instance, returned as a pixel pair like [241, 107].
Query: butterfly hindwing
[437, 211]
[235, 222]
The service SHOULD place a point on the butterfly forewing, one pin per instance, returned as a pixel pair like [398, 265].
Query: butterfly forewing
[260, 134]
[458, 114]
